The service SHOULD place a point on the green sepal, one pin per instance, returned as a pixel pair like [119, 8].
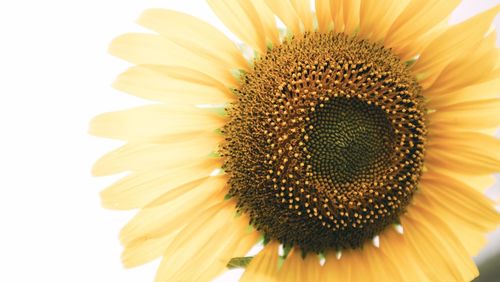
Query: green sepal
[214, 154]
[411, 62]
[281, 261]
[218, 131]
[239, 262]
[286, 251]
[239, 74]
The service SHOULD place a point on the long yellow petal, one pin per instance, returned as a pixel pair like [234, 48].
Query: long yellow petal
[469, 143]
[465, 152]
[240, 246]
[323, 15]
[338, 269]
[195, 35]
[351, 15]
[146, 249]
[461, 201]
[337, 14]
[466, 162]
[292, 269]
[366, 264]
[172, 214]
[202, 242]
[417, 19]
[154, 122]
[303, 10]
[240, 18]
[477, 182]
[150, 82]
[440, 251]
[412, 49]
[312, 267]
[268, 21]
[264, 266]
[287, 14]
[468, 115]
[151, 49]
[147, 156]
[486, 89]
[467, 70]
[379, 266]
[359, 261]
[454, 43]
[141, 188]
[296, 268]
[397, 250]
[377, 16]
[470, 236]
[447, 242]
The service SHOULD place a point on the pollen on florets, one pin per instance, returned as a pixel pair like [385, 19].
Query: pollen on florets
[324, 145]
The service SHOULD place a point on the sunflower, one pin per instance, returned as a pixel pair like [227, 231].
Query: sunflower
[354, 145]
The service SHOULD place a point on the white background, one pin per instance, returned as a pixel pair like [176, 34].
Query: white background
[55, 75]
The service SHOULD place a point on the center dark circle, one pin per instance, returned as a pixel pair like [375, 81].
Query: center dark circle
[351, 141]
[324, 146]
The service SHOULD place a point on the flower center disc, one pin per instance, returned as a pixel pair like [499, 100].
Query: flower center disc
[324, 146]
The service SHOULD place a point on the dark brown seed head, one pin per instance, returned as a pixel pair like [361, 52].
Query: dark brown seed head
[324, 146]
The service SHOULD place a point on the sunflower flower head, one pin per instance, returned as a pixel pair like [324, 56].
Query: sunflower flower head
[358, 141]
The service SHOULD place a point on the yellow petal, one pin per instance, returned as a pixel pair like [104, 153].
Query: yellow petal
[469, 230]
[154, 84]
[154, 122]
[287, 14]
[484, 90]
[238, 248]
[443, 255]
[296, 268]
[377, 16]
[303, 9]
[337, 14]
[467, 163]
[323, 15]
[146, 249]
[264, 266]
[240, 17]
[455, 42]
[267, 19]
[141, 188]
[312, 267]
[477, 182]
[366, 264]
[351, 14]
[461, 201]
[412, 49]
[292, 269]
[470, 142]
[466, 70]
[468, 115]
[397, 250]
[151, 49]
[358, 261]
[487, 89]
[380, 267]
[195, 35]
[184, 207]
[417, 19]
[202, 242]
[142, 156]
[338, 269]
[469, 153]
